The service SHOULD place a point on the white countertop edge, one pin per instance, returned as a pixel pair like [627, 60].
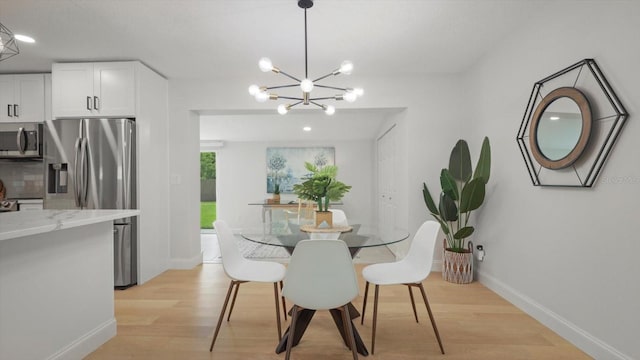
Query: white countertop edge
[32, 222]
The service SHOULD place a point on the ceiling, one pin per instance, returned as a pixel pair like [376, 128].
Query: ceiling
[208, 39]
[225, 38]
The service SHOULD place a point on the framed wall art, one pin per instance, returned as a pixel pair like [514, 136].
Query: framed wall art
[285, 165]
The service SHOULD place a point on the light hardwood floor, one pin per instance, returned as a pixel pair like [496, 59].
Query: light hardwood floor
[173, 317]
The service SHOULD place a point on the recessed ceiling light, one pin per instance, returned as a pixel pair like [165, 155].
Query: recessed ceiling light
[307, 128]
[554, 118]
[24, 38]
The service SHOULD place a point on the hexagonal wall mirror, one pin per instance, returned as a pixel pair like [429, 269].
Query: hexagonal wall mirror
[571, 123]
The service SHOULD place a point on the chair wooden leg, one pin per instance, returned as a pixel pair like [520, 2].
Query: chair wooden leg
[292, 331]
[224, 308]
[413, 302]
[375, 320]
[233, 302]
[364, 302]
[277, 295]
[348, 330]
[433, 321]
[284, 304]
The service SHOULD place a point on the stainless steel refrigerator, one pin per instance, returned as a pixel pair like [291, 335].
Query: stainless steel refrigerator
[91, 164]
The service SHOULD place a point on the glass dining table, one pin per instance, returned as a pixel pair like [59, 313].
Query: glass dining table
[357, 237]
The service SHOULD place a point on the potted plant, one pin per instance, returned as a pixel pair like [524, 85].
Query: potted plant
[462, 191]
[322, 187]
[276, 193]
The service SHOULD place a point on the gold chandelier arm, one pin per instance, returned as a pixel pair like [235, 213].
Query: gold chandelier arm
[291, 98]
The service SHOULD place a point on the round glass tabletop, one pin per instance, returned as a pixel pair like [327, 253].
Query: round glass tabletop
[361, 236]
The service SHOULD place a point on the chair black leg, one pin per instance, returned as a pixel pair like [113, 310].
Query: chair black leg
[277, 295]
[433, 321]
[413, 302]
[233, 302]
[224, 308]
[292, 331]
[364, 302]
[375, 320]
[348, 330]
[284, 304]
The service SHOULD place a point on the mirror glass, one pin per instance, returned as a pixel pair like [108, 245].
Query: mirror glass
[559, 128]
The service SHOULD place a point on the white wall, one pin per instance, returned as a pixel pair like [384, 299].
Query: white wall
[433, 119]
[567, 256]
[241, 179]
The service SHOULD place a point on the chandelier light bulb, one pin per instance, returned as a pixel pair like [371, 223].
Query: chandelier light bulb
[329, 110]
[283, 109]
[350, 96]
[254, 89]
[359, 91]
[1, 44]
[262, 96]
[265, 64]
[306, 85]
[346, 67]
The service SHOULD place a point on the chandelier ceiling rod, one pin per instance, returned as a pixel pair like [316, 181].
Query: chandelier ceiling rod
[306, 85]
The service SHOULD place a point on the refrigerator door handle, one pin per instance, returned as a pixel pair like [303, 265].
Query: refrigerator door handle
[76, 170]
[84, 164]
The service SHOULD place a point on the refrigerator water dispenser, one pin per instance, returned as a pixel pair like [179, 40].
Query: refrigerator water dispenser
[57, 178]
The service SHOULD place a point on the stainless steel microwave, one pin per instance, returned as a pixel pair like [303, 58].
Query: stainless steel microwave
[21, 140]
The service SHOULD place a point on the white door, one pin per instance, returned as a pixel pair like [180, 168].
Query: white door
[114, 89]
[30, 97]
[387, 187]
[6, 98]
[72, 89]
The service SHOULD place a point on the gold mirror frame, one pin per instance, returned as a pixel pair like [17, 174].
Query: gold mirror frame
[585, 110]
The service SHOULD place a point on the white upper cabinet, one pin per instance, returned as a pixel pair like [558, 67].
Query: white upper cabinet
[94, 89]
[22, 98]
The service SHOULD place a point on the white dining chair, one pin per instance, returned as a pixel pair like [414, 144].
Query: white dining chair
[411, 271]
[241, 270]
[320, 276]
[339, 217]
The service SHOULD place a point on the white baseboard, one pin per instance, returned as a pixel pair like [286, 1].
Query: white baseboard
[436, 266]
[185, 264]
[586, 342]
[87, 343]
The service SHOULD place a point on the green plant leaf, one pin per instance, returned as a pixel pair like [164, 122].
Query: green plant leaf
[448, 208]
[443, 225]
[472, 195]
[428, 200]
[483, 167]
[460, 162]
[448, 184]
[464, 232]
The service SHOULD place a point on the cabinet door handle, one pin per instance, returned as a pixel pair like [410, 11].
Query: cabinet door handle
[16, 111]
[9, 111]
[96, 103]
[89, 105]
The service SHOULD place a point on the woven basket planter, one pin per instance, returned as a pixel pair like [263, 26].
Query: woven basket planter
[457, 267]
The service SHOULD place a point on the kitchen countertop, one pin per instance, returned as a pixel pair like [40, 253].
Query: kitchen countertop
[24, 223]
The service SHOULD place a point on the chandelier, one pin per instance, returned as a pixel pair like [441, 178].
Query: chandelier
[262, 93]
[8, 46]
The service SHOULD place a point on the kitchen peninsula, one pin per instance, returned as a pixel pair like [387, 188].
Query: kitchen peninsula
[56, 282]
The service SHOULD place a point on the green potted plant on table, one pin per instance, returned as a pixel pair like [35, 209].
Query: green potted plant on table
[321, 187]
[462, 191]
